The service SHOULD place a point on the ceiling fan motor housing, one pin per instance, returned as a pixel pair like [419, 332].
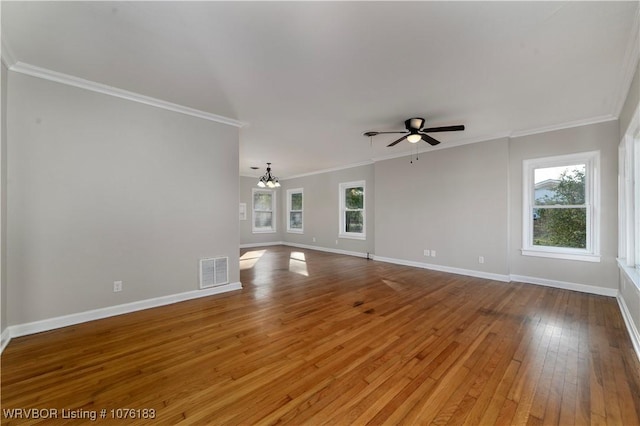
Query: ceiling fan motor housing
[414, 124]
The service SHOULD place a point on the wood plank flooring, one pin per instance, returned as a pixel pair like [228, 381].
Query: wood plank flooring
[316, 338]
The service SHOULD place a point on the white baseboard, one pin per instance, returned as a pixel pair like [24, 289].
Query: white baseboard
[611, 292]
[602, 291]
[5, 338]
[460, 271]
[325, 249]
[80, 317]
[252, 245]
[631, 328]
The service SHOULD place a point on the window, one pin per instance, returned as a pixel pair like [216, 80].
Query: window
[629, 195]
[561, 207]
[295, 211]
[352, 210]
[264, 209]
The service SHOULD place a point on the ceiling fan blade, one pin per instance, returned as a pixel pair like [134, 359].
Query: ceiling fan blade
[428, 139]
[398, 141]
[443, 129]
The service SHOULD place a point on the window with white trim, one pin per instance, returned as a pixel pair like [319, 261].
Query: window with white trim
[352, 210]
[295, 213]
[561, 207]
[264, 210]
[629, 195]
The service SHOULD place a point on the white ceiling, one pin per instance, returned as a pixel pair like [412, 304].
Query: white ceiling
[309, 78]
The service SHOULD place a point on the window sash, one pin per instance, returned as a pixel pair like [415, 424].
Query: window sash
[261, 212]
[537, 239]
[295, 213]
[347, 213]
[591, 197]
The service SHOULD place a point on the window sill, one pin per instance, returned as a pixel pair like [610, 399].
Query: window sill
[260, 231]
[632, 273]
[295, 231]
[353, 236]
[565, 256]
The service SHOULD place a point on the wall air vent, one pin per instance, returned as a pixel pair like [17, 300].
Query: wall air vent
[214, 272]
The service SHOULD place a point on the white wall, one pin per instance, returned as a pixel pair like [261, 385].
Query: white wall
[321, 209]
[103, 189]
[602, 137]
[453, 201]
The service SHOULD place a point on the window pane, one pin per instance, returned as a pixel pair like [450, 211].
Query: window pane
[560, 185]
[296, 201]
[353, 222]
[295, 220]
[560, 227]
[354, 197]
[262, 219]
[262, 201]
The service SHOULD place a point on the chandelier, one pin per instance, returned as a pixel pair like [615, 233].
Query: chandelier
[268, 180]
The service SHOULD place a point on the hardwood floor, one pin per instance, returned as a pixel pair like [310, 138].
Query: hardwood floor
[317, 338]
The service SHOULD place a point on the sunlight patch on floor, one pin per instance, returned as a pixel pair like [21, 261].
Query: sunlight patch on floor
[298, 263]
[394, 285]
[250, 258]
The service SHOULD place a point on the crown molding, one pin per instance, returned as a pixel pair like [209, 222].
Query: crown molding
[317, 172]
[562, 126]
[333, 169]
[629, 66]
[448, 145]
[46, 74]
[8, 58]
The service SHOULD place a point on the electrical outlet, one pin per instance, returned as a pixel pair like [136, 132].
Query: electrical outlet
[117, 286]
[427, 253]
[313, 240]
[480, 259]
[336, 242]
[433, 253]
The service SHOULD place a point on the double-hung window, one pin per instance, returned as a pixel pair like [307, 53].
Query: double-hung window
[561, 207]
[295, 214]
[352, 210]
[629, 197]
[264, 210]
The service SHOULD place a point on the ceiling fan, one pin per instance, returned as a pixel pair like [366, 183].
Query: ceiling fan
[415, 132]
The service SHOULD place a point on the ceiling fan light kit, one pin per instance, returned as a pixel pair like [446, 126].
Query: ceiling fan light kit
[414, 138]
[415, 132]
